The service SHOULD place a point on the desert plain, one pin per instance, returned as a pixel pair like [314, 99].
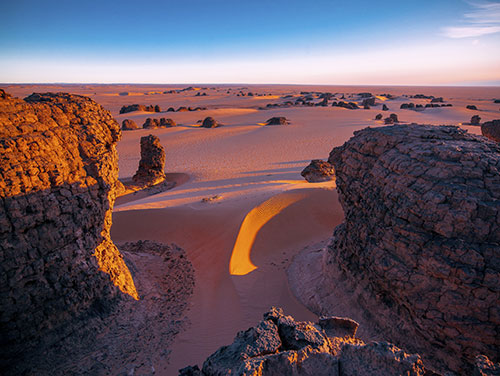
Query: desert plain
[236, 201]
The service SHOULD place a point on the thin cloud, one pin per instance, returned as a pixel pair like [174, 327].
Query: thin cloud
[482, 20]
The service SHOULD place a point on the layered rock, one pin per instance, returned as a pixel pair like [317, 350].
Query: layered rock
[491, 129]
[152, 163]
[318, 171]
[421, 238]
[57, 183]
[279, 345]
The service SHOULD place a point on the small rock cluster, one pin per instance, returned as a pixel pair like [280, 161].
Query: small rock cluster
[318, 171]
[421, 237]
[152, 123]
[279, 345]
[152, 163]
[139, 107]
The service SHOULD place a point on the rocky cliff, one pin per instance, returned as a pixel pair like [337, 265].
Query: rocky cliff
[420, 243]
[58, 172]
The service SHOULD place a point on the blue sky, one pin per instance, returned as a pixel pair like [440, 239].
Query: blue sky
[318, 42]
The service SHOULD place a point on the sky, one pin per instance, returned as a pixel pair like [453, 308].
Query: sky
[428, 42]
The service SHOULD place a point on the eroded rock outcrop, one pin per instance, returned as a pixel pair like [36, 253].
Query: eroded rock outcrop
[152, 163]
[318, 171]
[491, 129]
[57, 186]
[279, 345]
[421, 238]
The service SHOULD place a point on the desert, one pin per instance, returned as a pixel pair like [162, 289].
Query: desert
[250, 188]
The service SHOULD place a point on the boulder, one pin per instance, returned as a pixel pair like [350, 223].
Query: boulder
[385, 108]
[475, 120]
[171, 109]
[128, 125]
[368, 102]
[471, 107]
[420, 239]
[132, 108]
[210, 122]
[491, 129]
[277, 121]
[151, 123]
[437, 100]
[152, 163]
[167, 123]
[157, 109]
[378, 117]
[318, 171]
[182, 109]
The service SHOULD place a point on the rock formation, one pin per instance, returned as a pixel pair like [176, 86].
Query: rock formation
[151, 123]
[278, 120]
[475, 120]
[152, 163]
[378, 117]
[57, 180]
[128, 125]
[139, 107]
[167, 123]
[471, 107]
[491, 129]
[318, 171]
[279, 345]
[421, 239]
[385, 108]
[209, 122]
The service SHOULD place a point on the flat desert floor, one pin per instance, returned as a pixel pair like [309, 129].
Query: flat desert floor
[239, 207]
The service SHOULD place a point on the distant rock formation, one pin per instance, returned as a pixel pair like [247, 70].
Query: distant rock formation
[491, 129]
[368, 102]
[349, 106]
[139, 107]
[152, 163]
[471, 107]
[437, 100]
[318, 171]
[475, 120]
[277, 120]
[57, 184]
[385, 108]
[280, 346]
[167, 123]
[128, 125]
[152, 123]
[209, 122]
[420, 241]
[393, 118]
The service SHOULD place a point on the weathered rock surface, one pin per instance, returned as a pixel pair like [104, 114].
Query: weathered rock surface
[279, 345]
[318, 171]
[491, 129]
[57, 187]
[421, 238]
[128, 125]
[152, 163]
[139, 107]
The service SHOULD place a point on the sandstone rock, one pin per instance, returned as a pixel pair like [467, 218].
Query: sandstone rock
[421, 238]
[368, 102]
[318, 171]
[279, 346]
[167, 123]
[209, 122]
[128, 125]
[376, 359]
[491, 129]
[57, 186]
[475, 120]
[151, 123]
[471, 107]
[152, 163]
[277, 121]
[4, 95]
[182, 109]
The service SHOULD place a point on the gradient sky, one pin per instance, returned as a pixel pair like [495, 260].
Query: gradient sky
[429, 42]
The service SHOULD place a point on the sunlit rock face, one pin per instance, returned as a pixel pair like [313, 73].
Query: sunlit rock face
[421, 237]
[58, 173]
